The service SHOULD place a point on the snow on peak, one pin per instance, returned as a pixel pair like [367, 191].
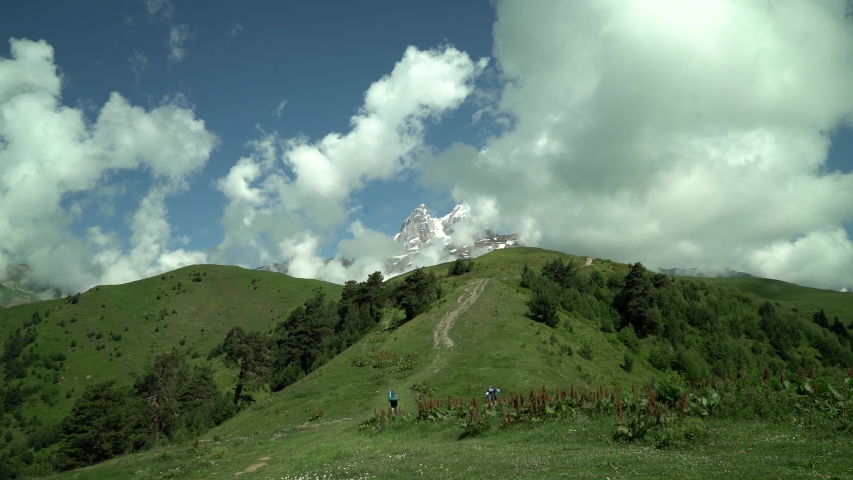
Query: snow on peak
[457, 214]
[421, 227]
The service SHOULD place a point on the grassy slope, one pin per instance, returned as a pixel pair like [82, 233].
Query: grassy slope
[494, 343]
[10, 290]
[225, 297]
[805, 299]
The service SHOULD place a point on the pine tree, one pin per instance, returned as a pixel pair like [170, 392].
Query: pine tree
[250, 353]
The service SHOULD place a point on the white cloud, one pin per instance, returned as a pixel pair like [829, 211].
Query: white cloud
[51, 151]
[161, 7]
[177, 36]
[138, 64]
[677, 133]
[280, 108]
[286, 189]
[235, 30]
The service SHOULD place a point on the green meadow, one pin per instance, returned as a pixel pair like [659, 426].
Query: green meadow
[332, 423]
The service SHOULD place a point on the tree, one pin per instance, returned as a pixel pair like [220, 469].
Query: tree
[820, 319]
[636, 301]
[161, 386]
[527, 277]
[460, 267]
[544, 302]
[203, 405]
[105, 421]
[417, 293]
[13, 346]
[248, 352]
[838, 329]
[563, 274]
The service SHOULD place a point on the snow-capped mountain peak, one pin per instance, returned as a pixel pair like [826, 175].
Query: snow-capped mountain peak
[421, 228]
[456, 215]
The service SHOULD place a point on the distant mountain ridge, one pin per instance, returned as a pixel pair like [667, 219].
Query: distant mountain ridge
[281, 267]
[13, 290]
[421, 230]
[695, 272]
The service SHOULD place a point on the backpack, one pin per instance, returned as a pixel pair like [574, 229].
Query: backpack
[392, 395]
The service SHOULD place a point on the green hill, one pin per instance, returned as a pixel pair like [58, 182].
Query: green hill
[113, 332]
[479, 333]
[13, 293]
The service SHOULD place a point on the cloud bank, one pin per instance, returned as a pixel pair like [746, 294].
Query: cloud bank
[677, 133]
[49, 152]
[285, 198]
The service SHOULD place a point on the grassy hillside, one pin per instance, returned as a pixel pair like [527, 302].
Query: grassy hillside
[805, 299]
[478, 334]
[13, 293]
[113, 332]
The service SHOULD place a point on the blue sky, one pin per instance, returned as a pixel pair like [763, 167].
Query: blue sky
[242, 60]
[632, 130]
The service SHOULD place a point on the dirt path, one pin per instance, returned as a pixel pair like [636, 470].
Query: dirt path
[469, 295]
[252, 468]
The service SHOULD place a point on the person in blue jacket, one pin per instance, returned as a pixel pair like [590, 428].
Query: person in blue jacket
[492, 394]
[392, 397]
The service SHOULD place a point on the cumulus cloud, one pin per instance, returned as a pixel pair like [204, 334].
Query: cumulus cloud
[288, 187]
[677, 133]
[177, 36]
[49, 151]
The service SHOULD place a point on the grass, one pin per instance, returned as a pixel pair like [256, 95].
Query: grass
[789, 295]
[200, 316]
[558, 449]
[10, 290]
[311, 428]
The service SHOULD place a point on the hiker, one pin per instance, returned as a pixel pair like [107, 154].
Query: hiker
[492, 394]
[392, 397]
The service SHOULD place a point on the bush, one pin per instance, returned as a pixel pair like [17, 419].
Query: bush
[627, 363]
[629, 338]
[670, 388]
[586, 351]
[460, 267]
[544, 302]
[660, 359]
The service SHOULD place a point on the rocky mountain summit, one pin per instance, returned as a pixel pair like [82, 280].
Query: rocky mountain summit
[421, 230]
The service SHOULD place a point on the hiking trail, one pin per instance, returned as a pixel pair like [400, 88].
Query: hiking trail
[251, 468]
[469, 295]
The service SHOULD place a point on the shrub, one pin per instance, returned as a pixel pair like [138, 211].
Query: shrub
[544, 302]
[660, 359]
[629, 338]
[670, 388]
[586, 351]
[627, 362]
[460, 267]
